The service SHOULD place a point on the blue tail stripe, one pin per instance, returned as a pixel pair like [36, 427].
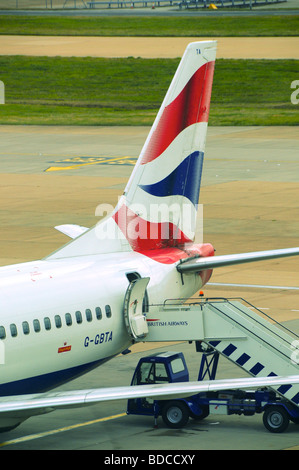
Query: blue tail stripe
[183, 181]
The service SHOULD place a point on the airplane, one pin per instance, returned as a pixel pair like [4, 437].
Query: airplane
[63, 315]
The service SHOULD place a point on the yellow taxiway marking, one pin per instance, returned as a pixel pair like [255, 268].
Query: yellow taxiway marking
[137, 348]
[31, 437]
[95, 161]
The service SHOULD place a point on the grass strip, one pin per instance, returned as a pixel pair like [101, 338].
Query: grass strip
[151, 26]
[97, 91]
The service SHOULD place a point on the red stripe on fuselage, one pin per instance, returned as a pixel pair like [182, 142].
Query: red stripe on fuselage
[192, 105]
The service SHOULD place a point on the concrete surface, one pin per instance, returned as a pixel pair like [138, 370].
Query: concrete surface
[250, 189]
[233, 48]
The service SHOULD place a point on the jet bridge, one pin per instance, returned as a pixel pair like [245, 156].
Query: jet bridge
[234, 328]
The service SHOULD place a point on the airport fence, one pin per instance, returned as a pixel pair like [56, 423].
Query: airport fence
[227, 3]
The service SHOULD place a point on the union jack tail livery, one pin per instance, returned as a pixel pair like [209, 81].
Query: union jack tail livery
[159, 206]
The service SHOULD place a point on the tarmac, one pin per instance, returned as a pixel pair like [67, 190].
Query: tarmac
[250, 187]
[145, 47]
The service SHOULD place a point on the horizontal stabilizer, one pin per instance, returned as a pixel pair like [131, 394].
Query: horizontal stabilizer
[72, 231]
[211, 262]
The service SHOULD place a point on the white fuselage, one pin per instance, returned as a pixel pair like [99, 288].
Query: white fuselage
[60, 318]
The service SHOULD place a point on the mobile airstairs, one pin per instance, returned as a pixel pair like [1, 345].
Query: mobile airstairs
[237, 330]
[232, 327]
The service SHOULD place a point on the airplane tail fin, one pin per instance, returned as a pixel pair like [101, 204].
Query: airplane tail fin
[161, 197]
[159, 205]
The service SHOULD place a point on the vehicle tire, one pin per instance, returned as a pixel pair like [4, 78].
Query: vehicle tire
[204, 413]
[175, 414]
[276, 419]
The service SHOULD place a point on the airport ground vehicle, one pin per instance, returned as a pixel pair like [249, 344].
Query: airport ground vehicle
[171, 367]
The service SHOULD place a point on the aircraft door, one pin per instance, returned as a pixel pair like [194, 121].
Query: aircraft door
[135, 320]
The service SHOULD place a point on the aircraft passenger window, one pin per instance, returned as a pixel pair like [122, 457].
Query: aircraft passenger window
[2, 332]
[78, 317]
[98, 313]
[58, 321]
[108, 311]
[68, 319]
[36, 326]
[13, 330]
[26, 329]
[47, 323]
[88, 314]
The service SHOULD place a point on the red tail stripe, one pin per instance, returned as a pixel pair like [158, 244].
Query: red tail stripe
[145, 236]
[192, 105]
